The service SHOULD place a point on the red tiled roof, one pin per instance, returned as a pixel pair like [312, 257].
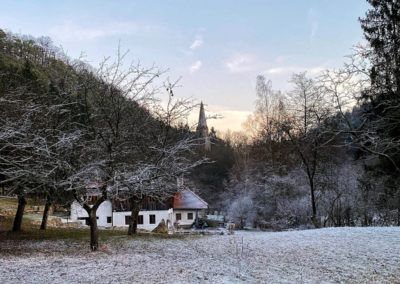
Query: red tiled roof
[187, 199]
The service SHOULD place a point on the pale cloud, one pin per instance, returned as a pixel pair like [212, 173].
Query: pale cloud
[279, 70]
[71, 31]
[196, 43]
[315, 70]
[241, 63]
[232, 120]
[195, 66]
[281, 58]
[313, 21]
[314, 29]
[295, 69]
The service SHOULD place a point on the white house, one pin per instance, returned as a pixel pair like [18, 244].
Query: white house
[181, 210]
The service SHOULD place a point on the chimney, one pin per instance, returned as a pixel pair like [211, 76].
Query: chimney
[179, 182]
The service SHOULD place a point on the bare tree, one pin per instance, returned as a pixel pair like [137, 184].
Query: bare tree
[169, 153]
[131, 147]
[357, 127]
[304, 123]
[113, 102]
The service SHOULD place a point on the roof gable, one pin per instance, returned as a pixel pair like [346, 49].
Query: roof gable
[187, 199]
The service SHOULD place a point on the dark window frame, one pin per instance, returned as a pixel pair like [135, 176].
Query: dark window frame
[140, 220]
[178, 216]
[152, 219]
[190, 215]
[87, 222]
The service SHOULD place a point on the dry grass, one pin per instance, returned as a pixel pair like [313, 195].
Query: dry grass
[32, 232]
[8, 201]
[13, 243]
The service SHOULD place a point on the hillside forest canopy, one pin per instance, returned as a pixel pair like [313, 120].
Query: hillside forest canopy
[325, 153]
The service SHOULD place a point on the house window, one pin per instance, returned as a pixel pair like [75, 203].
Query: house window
[152, 219]
[178, 216]
[127, 219]
[190, 216]
[140, 220]
[108, 219]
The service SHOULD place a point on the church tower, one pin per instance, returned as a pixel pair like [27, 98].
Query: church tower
[202, 129]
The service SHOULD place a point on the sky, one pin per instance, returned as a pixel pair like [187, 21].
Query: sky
[215, 48]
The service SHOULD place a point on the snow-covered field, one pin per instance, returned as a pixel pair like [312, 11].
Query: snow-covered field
[334, 255]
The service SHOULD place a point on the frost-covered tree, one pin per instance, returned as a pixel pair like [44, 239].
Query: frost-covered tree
[339, 192]
[258, 197]
[69, 129]
[132, 149]
[34, 136]
[170, 153]
[114, 120]
[304, 123]
[38, 129]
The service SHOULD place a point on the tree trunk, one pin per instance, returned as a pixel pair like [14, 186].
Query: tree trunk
[94, 231]
[134, 219]
[20, 213]
[398, 208]
[45, 214]
[314, 219]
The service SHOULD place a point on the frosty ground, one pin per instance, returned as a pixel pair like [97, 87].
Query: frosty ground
[356, 255]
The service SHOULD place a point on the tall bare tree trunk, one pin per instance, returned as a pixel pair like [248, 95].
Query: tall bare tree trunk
[46, 210]
[94, 231]
[398, 208]
[20, 213]
[134, 218]
[314, 219]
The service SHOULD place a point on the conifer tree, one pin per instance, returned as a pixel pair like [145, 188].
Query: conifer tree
[381, 27]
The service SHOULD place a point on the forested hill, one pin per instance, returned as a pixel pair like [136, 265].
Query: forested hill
[24, 60]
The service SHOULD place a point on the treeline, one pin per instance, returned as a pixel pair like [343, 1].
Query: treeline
[69, 130]
[209, 177]
[326, 153]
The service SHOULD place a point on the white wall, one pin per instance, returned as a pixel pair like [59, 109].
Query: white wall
[104, 211]
[184, 216]
[119, 218]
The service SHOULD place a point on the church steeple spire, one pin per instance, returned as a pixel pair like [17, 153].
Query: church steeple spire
[202, 128]
[202, 118]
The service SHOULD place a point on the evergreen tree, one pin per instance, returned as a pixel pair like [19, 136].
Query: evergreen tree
[381, 27]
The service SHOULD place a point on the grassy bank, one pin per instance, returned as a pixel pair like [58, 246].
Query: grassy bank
[8, 201]
[32, 232]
